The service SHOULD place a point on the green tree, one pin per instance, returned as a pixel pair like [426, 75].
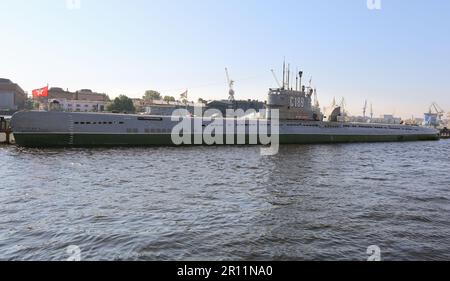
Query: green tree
[152, 95]
[169, 99]
[31, 104]
[122, 104]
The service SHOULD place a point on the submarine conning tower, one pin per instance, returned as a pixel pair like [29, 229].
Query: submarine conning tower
[294, 104]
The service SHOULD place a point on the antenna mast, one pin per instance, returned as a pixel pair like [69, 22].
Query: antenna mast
[371, 111]
[365, 109]
[300, 75]
[289, 77]
[316, 100]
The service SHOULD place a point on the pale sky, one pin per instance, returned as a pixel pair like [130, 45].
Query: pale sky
[398, 57]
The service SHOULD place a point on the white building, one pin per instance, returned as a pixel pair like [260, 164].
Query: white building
[78, 105]
[384, 119]
[387, 119]
[167, 108]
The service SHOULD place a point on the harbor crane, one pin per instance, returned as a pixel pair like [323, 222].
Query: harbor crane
[438, 110]
[231, 93]
[434, 115]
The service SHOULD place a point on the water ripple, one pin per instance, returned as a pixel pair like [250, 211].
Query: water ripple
[319, 202]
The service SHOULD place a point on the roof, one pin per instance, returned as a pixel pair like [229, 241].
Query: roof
[5, 81]
[8, 85]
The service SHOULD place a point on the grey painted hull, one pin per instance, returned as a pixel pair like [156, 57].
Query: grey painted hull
[60, 129]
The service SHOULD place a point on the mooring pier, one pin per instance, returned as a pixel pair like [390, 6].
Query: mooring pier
[5, 131]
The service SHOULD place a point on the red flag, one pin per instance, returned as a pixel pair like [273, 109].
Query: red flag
[43, 92]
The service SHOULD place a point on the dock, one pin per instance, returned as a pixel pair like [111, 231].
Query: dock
[5, 131]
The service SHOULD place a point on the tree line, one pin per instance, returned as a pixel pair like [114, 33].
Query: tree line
[124, 104]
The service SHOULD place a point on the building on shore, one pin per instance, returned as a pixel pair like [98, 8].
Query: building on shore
[245, 105]
[383, 119]
[82, 95]
[357, 119]
[12, 97]
[160, 107]
[413, 121]
[139, 104]
[387, 119]
[78, 105]
[80, 101]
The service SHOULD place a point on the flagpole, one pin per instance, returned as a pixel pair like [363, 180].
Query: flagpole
[187, 107]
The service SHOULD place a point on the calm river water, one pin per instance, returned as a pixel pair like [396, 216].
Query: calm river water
[309, 202]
